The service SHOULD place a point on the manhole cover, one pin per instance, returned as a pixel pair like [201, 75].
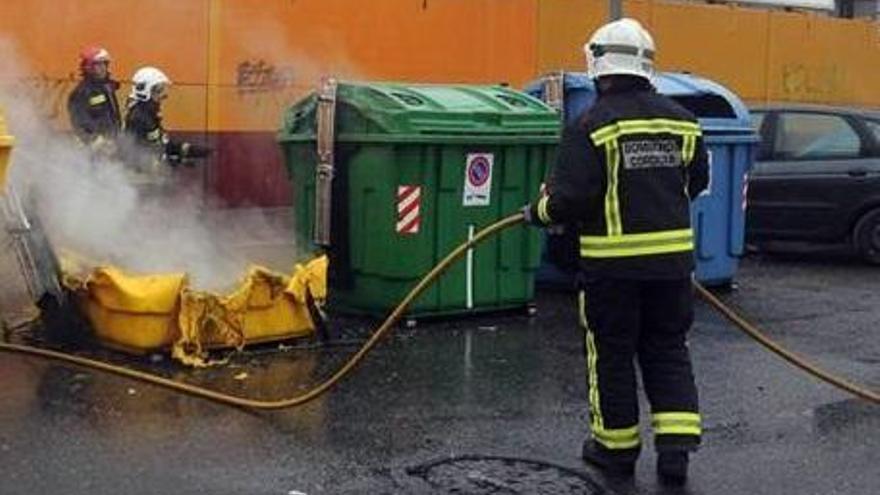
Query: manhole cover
[476, 475]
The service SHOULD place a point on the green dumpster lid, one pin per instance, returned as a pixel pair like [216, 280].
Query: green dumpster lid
[427, 113]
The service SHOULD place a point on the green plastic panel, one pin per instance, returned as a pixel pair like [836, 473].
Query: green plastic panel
[392, 136]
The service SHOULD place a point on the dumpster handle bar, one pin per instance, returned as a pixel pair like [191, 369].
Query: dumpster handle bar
[389, 322]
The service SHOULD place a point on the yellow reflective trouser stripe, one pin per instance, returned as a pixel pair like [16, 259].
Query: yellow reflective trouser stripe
[644, 126]
[97, 100]
[543, 214]
[612, 200]
[154, 135]
[582, 314]
[621, 438]
[670, 241]
[610, 438]
[676, 423]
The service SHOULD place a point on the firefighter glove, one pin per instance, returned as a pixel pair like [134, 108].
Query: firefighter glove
[190, 150]
[529, 217]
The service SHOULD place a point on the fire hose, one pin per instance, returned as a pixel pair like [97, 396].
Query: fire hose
[389, 323]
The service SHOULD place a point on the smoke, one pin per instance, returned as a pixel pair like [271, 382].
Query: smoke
[104, 212]
[266, 38]
[277, 65]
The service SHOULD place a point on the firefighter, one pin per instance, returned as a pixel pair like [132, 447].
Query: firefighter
[627, 170]
[92, 105]
[151, 145]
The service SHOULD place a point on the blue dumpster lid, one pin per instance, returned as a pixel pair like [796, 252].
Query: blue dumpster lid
[717, 108]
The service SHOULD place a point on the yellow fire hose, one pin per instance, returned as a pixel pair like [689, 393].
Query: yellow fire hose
[322, 387]
[780, 351]
[389, 322]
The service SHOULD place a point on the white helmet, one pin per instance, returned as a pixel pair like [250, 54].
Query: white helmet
[622, 47]
[144, 80]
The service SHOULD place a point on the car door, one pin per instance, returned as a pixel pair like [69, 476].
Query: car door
[802, 187]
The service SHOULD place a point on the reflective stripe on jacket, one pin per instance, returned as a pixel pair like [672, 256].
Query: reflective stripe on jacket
[624, 178]
[94, 110]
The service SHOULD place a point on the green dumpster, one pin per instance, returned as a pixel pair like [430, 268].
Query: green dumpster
[416, 170]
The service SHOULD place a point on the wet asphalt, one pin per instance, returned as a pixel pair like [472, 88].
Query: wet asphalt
[490, 404]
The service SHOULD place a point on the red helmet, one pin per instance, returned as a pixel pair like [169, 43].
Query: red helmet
[93, 55]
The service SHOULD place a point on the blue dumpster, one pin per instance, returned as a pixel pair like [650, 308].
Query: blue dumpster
[718, 215]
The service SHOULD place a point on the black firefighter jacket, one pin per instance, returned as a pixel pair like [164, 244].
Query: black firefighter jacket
[94, 109]
[151, 142]
[143, 124]
[625, 175]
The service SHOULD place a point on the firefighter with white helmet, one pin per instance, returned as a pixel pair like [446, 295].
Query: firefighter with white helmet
[627, 171]
[92, 105]
[622, 47]
[143, 124]
[148, 83]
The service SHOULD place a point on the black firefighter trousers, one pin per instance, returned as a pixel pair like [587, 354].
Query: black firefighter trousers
[645, 321]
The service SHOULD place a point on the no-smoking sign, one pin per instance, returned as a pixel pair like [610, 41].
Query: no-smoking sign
[478, 179]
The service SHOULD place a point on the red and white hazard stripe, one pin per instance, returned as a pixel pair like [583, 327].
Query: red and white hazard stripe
[409, 218]
[745, 192]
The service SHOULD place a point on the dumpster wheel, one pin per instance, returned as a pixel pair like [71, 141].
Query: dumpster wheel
[394, 317]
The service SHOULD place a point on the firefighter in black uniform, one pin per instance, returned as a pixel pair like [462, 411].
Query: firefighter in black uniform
[626, 173]
[92, 105]
[150, 145]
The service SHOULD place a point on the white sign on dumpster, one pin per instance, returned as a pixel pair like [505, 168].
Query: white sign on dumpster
[708, 190]
[478, 179]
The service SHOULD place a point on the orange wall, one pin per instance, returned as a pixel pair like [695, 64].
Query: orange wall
[762, 55]
[725, 42]
[770, 55]
[411, 40]
[824, 60]
[48, 35]
[563, 27]
[237, 63]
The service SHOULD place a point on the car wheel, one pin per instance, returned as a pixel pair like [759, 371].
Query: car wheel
[866, 236]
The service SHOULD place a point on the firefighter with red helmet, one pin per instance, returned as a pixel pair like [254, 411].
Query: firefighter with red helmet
[93, 107]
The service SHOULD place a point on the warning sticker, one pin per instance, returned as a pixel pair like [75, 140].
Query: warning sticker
[478, 179]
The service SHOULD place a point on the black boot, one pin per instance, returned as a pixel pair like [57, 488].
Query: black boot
[672, 467]
[613, 463]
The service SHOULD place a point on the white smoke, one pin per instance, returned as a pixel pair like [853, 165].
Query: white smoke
[103, 212]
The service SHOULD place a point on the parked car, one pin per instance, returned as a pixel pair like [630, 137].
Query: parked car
[816, 177]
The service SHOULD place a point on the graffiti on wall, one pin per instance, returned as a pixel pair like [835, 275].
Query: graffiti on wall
[259, 76]
[824, 83]
[267, 88]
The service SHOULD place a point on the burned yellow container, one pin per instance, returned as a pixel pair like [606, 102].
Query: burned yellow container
[6, 142]
[136, 313]
[155, 312]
